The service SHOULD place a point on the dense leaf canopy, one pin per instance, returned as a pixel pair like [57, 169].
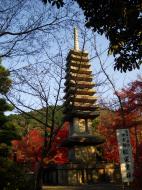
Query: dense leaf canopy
[121, 22]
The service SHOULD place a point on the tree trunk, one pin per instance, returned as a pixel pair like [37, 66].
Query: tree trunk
[38, 179]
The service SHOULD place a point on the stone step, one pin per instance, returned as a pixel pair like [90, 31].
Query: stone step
[88, 187]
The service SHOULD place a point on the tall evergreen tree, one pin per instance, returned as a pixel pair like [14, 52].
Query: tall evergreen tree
[9, 169]
[7, 130]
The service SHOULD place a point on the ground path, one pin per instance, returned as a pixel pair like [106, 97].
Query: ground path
[88, 187]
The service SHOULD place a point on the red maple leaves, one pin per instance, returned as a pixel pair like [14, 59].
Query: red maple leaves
[130, 117]
[30, 148]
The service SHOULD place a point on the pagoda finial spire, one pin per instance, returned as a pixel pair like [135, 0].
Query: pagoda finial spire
[76, 43]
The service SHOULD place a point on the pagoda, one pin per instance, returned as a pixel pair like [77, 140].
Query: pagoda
[80, 110]
[80, 107]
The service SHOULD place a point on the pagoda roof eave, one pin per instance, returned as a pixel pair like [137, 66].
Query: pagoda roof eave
[79, 71]
[75, 52]
[89, 115]
[81, 86]
[78, 78]
[79, 91]
[80, 100]
[78, 63]
[83, 140]
[69, 108]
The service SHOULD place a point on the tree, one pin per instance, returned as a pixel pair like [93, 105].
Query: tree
[35, 83]
[29, 151]
[58, 3]
[120, 21]
[7, 130]
[132, 98]
[29, 148]
[110, 120]
[137, 169]
[123, 112]
[28, 28]
[107, 127]
[9, 169]
[5, 83]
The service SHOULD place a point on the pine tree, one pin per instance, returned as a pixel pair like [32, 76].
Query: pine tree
[8, 169]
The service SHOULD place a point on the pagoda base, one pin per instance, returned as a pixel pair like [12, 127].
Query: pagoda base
[81, 168]
[69, 174]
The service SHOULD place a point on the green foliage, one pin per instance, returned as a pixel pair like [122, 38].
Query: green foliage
[121, 22]
[4, 150]
[95, 123]
[28, 122]
[9, 172]
[7, 135]
[5, 82]
[7, 131]
[13, 176]
[5, 106]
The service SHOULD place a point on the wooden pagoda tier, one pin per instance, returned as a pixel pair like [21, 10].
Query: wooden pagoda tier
[79, 93]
